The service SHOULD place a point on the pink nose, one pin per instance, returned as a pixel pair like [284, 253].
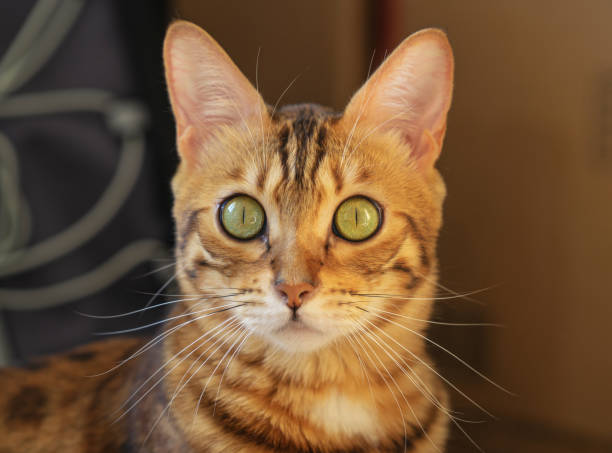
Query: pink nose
[295, 294]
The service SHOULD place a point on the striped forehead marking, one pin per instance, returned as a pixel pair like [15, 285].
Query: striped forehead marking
[302, 141]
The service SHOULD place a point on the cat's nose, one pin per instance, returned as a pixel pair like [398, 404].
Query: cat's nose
[295, 294]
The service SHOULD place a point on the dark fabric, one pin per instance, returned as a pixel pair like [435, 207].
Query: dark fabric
[66, 161]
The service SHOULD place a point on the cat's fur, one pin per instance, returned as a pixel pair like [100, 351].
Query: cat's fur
[353, 374]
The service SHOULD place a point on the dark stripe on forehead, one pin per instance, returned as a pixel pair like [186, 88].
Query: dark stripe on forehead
[337, 178]
[283, 138]
[303, 128]
[319, 152]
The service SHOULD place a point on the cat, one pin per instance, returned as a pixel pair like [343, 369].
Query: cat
[306, 260]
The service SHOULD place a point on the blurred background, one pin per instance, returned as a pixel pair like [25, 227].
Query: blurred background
[86, 153]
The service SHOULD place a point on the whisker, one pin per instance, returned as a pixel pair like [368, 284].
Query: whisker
[204, 292]
[153, 386]
[229, 321]
[156, 323]
[121, 315]
[403, 297]
[246, 302]
[452, 418]
[213, 373]
[238, 348]
[452, 291]
[468, 437]
[151, 343]
[433, 370]
[348, 338]
[178, 390]
[283, 93]
[263, 133]
[421, 386]
[440, 323]
[423, 430]
[374, 129]
[161, 289]
[236, 327]
[362, 108]
[388, 386]
[155, 271]
[428, 394]
[455, 356]
[180, 387]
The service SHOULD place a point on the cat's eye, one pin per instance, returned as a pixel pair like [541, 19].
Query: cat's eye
[357, 219]
[242, 217]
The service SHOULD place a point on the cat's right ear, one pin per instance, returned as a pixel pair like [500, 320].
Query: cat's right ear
[409, 95]
[207, 90]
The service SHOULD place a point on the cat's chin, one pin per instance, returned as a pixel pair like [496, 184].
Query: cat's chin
[297, 336]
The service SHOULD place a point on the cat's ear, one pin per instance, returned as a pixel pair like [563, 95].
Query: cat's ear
[207, 90]
[409, 94]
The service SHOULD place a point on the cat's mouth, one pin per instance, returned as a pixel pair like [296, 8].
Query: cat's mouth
[300, 335]
[298, 326]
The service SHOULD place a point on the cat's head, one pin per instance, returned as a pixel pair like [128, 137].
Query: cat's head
[309, 225]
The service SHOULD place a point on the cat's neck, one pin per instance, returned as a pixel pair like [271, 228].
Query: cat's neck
[343, 394]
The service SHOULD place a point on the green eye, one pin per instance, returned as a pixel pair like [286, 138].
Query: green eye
[242, 217]
[356, 219]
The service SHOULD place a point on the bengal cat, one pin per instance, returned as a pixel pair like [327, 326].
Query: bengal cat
[306, 260]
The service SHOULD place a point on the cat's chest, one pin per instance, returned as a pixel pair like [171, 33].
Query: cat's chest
[341, 414]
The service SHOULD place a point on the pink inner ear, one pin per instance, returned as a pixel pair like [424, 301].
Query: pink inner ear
[410, 94]
[207, 90]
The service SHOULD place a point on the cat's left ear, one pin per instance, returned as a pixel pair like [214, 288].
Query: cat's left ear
[409, 94]
[207, 90]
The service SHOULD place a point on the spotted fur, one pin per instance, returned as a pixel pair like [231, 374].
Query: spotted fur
[237, 370]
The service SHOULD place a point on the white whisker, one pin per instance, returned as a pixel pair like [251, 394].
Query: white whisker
[387, 384]
[156, 323]
[433, 370]
[155, 271]
[238, 348]
[197, 340]
[152, 387]
[423, 430]
[455, 356]
[161, 289]
[121, 315]
[148, 345]
[205, 292]
[348, 338]
[403, 297]
[421, 386]
[213, 373]
[283, 93]
[440, 323]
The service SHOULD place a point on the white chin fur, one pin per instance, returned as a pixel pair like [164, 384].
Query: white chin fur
[294, 338]
[290, 336]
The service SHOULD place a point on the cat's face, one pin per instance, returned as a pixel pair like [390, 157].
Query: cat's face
[299, 220]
